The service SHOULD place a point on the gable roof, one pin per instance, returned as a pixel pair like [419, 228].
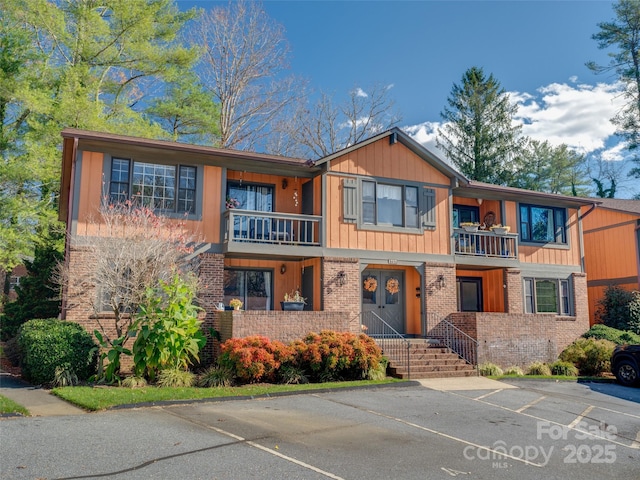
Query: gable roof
[396, 134]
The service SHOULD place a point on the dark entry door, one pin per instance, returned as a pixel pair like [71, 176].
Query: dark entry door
[469, 294]
[383, 293]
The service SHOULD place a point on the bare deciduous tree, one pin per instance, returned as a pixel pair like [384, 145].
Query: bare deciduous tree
[330, 126]
[244, 56]
[131, 249]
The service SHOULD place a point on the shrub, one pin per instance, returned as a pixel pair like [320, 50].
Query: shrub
[134, 382]
[590, 356]
[489, 369]
[215, 376]
[64, 376]
[634, 313]
[330, 355]
[539, 368]
[613, 307]
[12, 351]
[292, 375]
[567, 369]
[47, 344]
[253, 359]
[513, 370]
[169, 335]
[175, 377]
[619, 337]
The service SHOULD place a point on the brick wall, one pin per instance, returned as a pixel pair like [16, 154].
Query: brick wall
[440, 287]
[520, 339]
[342, 298]
[514, 296]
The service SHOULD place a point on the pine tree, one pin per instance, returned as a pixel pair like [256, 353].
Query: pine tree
[478, 135]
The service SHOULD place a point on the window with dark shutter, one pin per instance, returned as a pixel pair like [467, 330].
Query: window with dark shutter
[350, 200]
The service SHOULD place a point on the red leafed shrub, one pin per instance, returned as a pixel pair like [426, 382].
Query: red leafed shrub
[254, 359]
[336, 355]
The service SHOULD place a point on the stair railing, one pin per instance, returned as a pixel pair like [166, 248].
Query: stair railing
[392, 343]
[453, 338]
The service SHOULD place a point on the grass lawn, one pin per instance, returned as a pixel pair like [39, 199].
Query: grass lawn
[101, 397]
[9, 406]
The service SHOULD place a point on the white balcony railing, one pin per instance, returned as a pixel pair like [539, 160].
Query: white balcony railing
[485, 244]
[271, 227]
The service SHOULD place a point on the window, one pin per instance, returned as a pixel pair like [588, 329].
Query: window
[253, 287]
[465, 214]
[168, 188]
[546, 296]
[394, 205]
[248, 196]
[542, 224]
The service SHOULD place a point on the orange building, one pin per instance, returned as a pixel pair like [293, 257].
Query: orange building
[612, 252]
[383, 236]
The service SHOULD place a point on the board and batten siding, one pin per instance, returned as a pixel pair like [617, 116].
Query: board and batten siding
[384, 161]
[92, 188]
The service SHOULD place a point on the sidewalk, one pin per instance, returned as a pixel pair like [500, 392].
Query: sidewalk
[38, 401]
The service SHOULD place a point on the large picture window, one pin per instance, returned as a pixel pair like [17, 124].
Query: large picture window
[248, 196]
[546, 296]
[253, 287]
[168, 188]
[543, 224]
[392, 205]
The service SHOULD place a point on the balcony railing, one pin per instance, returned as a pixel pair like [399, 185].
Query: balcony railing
[271, 227]
[485, 244]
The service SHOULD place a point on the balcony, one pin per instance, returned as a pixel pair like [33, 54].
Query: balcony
[244, 227]
[486, 244]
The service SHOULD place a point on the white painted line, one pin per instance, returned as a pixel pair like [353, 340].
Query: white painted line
[530, 404]
[456, 439]
[488, 394]
[636, 443]
[580, 417]
[260, 447]
[553, 422]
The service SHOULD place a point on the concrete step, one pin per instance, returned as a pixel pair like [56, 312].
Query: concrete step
[456, 373]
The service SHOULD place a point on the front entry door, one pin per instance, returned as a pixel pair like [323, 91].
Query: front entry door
[383, 293]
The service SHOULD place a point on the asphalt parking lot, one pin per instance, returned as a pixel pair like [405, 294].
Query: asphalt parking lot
[522, 429]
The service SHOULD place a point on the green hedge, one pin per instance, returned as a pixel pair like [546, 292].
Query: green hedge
[47, 344]
[619, 337]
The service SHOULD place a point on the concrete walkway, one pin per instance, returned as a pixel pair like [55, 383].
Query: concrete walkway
[464, 383]
[38, 401]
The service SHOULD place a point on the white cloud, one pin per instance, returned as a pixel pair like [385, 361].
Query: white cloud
[360, 92]
[578, 116]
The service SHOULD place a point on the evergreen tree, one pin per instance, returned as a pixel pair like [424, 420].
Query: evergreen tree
[623, 33]
[478, 135]
[85, 64]
[38, 292]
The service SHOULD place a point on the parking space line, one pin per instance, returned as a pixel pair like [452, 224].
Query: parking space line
[530, 404]
[580, 417]
[257, 445]
[535, 417]
[451, 437]
[488, 394]
[636, 443]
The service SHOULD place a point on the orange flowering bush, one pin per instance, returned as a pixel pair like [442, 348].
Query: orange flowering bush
[333, 355]
[254, 359]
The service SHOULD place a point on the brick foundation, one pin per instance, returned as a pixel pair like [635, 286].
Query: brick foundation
[520, 339]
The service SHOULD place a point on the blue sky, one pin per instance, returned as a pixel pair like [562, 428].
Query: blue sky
[536, 49]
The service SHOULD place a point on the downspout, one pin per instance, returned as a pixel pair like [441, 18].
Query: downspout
[67, 242]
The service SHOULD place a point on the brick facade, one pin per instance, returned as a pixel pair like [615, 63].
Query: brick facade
[341, 288]
[514, 295]
[440, 287]
[520, 339]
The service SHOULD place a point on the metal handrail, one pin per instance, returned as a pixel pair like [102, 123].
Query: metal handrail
[392, 343]
[453, 338]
